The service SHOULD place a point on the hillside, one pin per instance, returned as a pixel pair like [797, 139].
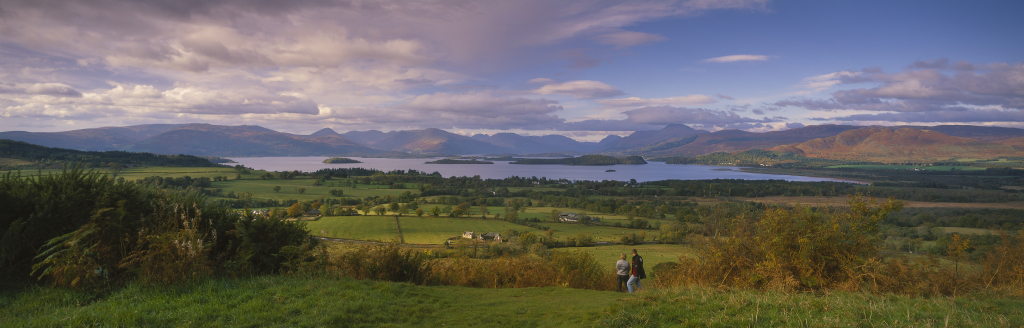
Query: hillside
[900, 145]
[645, 138]
[736, 140]
[437, 141]
[26, 154]
[105, 138]
[246, 141]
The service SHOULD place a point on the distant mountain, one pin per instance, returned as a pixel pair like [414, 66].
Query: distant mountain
[537, 144]
[366, 137]
[437, 141]
[646, 138]
[243, 140]
[97, 139]
[736, 140]
[29, 155]
[324, 132]
[897, 145]
[983, 133]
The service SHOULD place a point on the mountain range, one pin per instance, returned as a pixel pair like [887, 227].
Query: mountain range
[826, 141]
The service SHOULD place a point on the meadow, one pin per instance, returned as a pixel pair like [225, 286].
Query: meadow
[297, 301]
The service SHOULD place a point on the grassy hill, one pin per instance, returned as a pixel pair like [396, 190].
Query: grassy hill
[901, 145]
[15, 154]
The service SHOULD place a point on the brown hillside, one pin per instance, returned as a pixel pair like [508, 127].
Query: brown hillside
[897, 146]
[1017, 143]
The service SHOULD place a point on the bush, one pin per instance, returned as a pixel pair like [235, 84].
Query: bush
[793, 249]
[80, 229]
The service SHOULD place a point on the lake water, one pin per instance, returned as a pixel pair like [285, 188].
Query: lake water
[653, 171]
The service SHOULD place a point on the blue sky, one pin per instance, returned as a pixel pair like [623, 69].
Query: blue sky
[585, 69]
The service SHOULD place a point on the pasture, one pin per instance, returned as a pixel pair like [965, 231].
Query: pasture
[435, 230]
[355, 227]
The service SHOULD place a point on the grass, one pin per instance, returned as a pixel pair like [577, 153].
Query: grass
[693, 307]
[652, 253]
[13, 161]
[907, 167]
[280, 301]
[277, 301]
[355, 227]
[968, 231]
[431, 230]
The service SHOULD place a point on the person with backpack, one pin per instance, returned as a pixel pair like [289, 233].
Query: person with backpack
[637, 272]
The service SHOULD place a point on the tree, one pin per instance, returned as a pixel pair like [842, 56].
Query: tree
[394, 207]
[116, 168]
[554, 215]
[419, 212]
[956, 249]
[301, 190]
[381, 210]
[295, 210]
[277, 188]
[483, 210]
[326, 210]
[435, 211]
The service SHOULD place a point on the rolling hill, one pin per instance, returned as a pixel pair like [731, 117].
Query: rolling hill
[735, 140]
[897, 145]
[244, 140]
[97, 139]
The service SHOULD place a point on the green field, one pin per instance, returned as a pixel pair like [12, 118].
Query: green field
[284, 301]
[355, 227]
[907, 167]
[431, 230]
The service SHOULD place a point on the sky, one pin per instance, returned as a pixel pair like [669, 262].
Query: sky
[583, 69]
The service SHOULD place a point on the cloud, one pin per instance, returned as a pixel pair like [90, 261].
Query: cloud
[826, 81]
[289, 62]
[582, 89]
[691, 100]
[736, 58]
[970, 116]
[626, 39]
[470, 110]
[924, 86]
[49, 89]
[683, 115]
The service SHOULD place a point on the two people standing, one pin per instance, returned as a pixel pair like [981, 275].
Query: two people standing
[630, 272]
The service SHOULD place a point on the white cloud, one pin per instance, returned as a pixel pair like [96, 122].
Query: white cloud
[736, 58]
[826, 81]
[691, 100]
[583, 89]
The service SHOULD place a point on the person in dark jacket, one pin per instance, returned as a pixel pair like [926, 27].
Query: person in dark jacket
[636, 273]
[622, 271]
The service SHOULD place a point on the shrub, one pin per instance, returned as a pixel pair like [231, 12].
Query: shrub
[792, 248]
